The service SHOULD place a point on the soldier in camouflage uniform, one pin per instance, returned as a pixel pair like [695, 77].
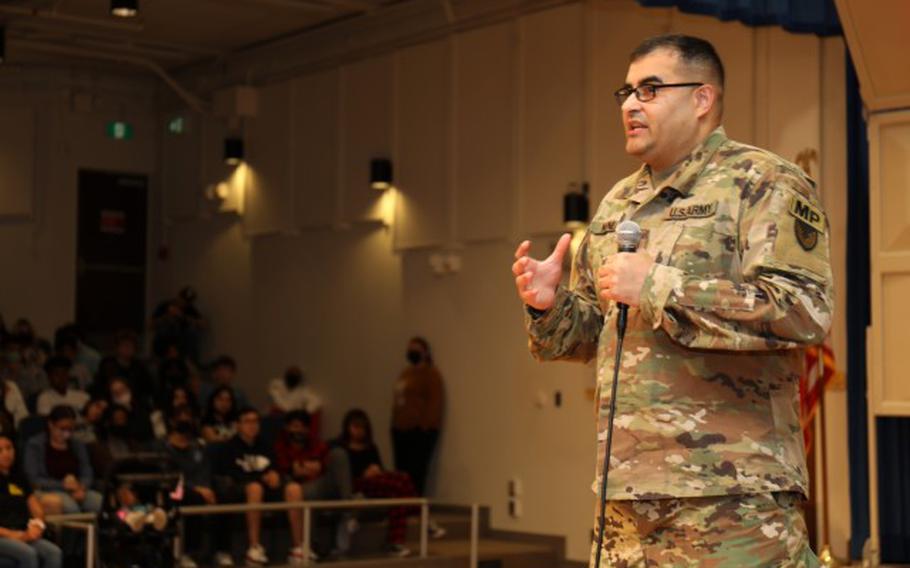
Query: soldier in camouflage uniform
[730, 282]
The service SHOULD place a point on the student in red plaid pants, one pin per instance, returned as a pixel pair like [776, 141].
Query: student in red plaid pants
[372, 480]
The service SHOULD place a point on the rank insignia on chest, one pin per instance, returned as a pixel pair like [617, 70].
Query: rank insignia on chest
[695, 210]
[809, 223]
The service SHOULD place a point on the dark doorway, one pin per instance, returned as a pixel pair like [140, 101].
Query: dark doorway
[111, 252]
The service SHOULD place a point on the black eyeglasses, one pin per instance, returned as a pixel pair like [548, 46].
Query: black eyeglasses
[647, 91]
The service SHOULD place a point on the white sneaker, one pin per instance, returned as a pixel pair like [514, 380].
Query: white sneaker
[398, 550]
[436, 530]
[255, 556]
[186, 562]
[297, 554]
[223, 559]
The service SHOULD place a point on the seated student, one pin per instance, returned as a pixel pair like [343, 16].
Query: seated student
[12, 400]
[89, 428]
[219, 423]
[183, 446]
[82, 370]
[371, 479]
[22, 517]
[138, 420]
[125, 363]
[324, 472]
[248, 464]
[60, 392]
[58, 467]
[116, 439]
[177, 397]
[291, 392]
[223, 374]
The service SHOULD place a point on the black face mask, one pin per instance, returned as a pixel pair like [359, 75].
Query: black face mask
[414, 356]
[300, 438]
[292, 380]
[184, 427]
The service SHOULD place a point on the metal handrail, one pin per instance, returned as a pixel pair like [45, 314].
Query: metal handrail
[78, 520]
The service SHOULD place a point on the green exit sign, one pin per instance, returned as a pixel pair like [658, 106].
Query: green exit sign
[176, 125]
[119, 130]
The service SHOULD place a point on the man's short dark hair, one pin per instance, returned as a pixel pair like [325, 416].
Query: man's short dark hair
[61, 412]
[692, 50]
[297, 415]
[224, 361]
[247, 410]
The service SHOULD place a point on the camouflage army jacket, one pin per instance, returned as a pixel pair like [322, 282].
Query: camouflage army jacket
[708, 391]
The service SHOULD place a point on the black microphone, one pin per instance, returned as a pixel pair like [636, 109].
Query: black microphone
[628, 235]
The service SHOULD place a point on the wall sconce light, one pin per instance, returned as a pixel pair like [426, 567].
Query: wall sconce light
[233, 151]
[575, 208]
[124, 8]
[380, 173]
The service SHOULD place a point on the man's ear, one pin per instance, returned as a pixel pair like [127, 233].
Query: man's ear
[705, 99]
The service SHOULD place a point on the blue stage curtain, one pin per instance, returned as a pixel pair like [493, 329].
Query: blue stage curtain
[798, 16]
[858, 313]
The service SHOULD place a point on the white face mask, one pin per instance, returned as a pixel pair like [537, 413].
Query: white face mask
[124, 399]
[65, 435]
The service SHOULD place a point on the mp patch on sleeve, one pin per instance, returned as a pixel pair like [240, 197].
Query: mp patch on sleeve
[810, 222]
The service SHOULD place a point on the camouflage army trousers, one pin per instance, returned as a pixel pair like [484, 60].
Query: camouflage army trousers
[737, 531]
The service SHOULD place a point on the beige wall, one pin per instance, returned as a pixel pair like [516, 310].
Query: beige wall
[51, 142]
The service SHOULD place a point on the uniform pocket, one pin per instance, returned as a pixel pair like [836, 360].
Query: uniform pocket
[704, 250]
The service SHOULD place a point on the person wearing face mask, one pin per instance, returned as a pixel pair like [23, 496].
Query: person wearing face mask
[417, 413]
[183, 446]
[291, 392]
[139, 425]
[58, 466]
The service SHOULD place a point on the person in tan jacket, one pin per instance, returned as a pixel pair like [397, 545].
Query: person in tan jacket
[417, 413]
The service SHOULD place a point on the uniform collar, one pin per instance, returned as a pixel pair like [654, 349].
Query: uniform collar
[683, 178]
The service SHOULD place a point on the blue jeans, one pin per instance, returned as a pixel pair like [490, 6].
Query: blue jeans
[36, 554]
[91, 503]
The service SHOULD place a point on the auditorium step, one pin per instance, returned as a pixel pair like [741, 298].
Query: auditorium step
[496, 549]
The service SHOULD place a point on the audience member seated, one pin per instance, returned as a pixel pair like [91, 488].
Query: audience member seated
[12, 400]
[173, 371]
[290, 392]
[22, 517]
[84, 356]
[372, 480]
[247, 465]
[324, 473]
[29, 374]
[88, 429]
[138, 424]
[177, 321]
[67, 345]
[190, 456]
[178, 397]
[125, 363]
[58, 466]
[116, 438]
[223, 374]
[219, 423]
[60, 392]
